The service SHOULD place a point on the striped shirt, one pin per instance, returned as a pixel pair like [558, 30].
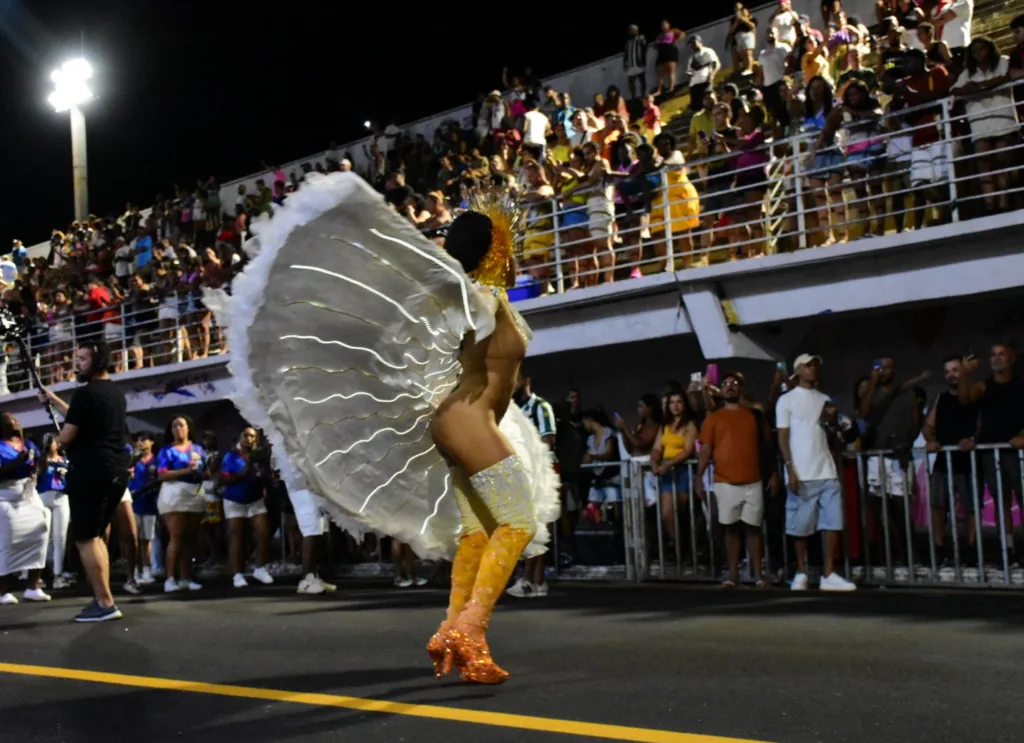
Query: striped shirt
[635, 54]
[539, 410]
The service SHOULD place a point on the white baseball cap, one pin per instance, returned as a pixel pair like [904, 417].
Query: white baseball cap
[803, 359]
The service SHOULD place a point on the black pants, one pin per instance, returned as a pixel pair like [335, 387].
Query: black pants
[94, 494]
[697, 96]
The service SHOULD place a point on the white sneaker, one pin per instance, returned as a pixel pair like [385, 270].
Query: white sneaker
[420, 581]
[172, 586]
[189, 585]
[836, 582]
[146, 579]
[799, 582]
[8, 599]
[60, 582]
[311, 585]
[401, 582]
[239, 581]
[521, 589]
[35, 594]
[262, 575]
[540, 591]
[132, 587]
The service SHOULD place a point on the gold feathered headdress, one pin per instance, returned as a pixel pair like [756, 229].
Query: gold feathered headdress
[508, 222]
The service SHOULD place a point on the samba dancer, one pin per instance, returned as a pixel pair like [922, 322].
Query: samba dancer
[382, 374]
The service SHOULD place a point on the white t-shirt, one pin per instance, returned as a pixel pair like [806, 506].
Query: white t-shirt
[784, 26]
[125, 263]
[8, 272]
[773, 62]
[957, 33]
[799, 410]
[702, 66]
[535, 128]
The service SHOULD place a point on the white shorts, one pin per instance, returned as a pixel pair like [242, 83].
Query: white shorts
[899, 148]
[740, 503]
[745, 41]
[146, 526]
[181, 497]
[307, 513]
[127, 497]
[928, 164]
[234, 510]
[112, 332]
[635, 71]
[897, 480]
[599, 224]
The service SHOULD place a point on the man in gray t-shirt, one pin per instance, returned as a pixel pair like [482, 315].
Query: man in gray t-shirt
[893, 422]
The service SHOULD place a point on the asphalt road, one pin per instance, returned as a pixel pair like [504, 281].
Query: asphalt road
[756, 666]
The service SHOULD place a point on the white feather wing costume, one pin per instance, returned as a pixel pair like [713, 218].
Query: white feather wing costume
[344, 333]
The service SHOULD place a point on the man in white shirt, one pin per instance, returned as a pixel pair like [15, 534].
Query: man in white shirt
[702, 68]
[536, 126]
[771, 68]
[815, 500]
[955, 21]
[784, 22]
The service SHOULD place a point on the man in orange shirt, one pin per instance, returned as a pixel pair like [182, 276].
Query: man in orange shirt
[731, 437]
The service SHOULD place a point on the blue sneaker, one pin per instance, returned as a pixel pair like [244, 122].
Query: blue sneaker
[96, 613]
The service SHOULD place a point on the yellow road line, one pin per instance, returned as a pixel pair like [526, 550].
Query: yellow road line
[450, 714]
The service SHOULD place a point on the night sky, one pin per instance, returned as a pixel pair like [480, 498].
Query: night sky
[188, 89]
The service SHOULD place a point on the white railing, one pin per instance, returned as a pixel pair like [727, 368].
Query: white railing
[802, 202]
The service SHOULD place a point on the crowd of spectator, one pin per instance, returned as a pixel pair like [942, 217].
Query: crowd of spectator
[607, 188]
[780, 465]
[720, 465]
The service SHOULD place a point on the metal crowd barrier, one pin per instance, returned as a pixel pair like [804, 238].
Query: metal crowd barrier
[796, 210]
[164, 334]
[890, 535]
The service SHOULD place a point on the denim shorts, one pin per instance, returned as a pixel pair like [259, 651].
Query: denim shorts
[678, 477]
[818, 506]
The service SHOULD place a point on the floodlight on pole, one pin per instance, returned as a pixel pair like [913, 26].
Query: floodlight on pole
[71, 90]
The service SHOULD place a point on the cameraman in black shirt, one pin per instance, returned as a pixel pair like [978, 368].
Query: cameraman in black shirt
[93, 436]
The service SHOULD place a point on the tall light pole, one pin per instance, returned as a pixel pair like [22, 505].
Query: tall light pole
[71, 90]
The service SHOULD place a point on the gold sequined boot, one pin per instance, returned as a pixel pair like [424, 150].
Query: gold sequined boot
[464, 569]
[504, 490]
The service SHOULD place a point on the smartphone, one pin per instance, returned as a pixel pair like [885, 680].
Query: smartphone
[698, 378]
[712, 374]
[781, 366]
[877, 366]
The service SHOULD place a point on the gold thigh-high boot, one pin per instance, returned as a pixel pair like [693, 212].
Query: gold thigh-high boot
[476, 528]
[503, 489]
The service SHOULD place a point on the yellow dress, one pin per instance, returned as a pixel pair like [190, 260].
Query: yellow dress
[684, 203]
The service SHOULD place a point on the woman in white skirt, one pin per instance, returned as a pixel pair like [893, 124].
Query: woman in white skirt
[24, 520]
[181, 470]
[743, 37]
[53, 470]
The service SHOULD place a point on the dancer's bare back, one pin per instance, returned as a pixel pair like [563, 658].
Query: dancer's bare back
[465, 426]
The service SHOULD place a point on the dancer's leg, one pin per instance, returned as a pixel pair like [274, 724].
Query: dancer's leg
[475, 533]
[503, 490]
